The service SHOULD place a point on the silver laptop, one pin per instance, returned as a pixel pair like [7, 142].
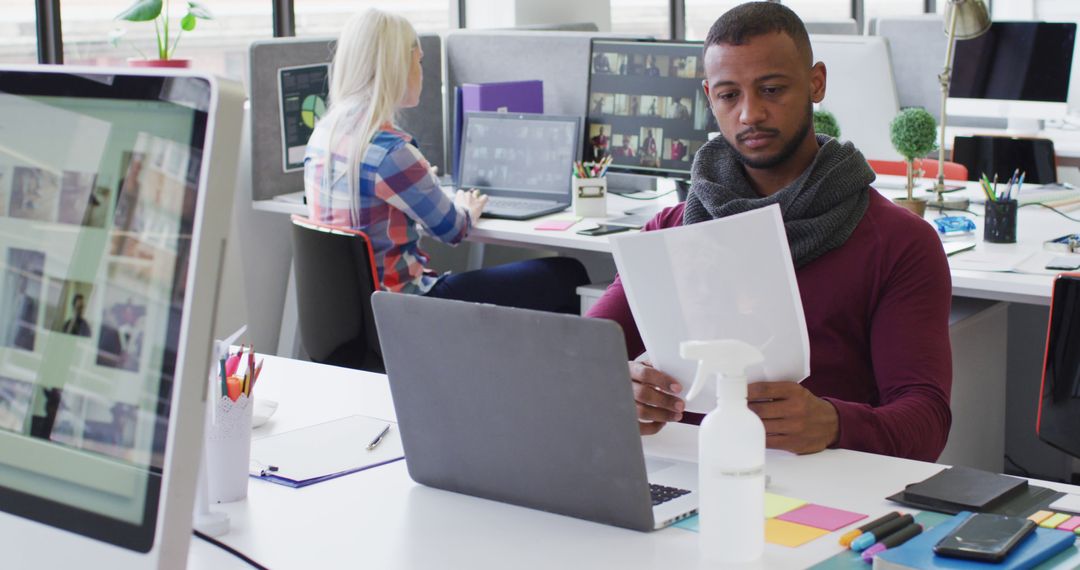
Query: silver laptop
[521, 161]
[524, 407]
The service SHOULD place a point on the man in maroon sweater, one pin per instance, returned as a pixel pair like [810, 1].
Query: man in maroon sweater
[873, 278]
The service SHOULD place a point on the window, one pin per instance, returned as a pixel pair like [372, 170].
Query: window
[887, 8]
[326, 17]
[700, 15]
[218, 46]
[18, 32]
[641, 17]
[820, 9]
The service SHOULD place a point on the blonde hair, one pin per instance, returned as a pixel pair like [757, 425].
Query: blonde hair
[368, 79]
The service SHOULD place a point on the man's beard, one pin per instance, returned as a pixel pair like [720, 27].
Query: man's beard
[788, 150]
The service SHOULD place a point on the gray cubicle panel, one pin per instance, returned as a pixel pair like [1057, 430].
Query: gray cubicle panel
[834, 27]
[559, 59]
[917, 49]
[569, 27]
[425, 122]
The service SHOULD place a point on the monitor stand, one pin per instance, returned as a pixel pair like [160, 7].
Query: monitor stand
[1023, 126]
[682, 188]
[630, 183]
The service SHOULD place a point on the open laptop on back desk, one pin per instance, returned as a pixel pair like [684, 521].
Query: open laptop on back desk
[529, 408]
[521, 161]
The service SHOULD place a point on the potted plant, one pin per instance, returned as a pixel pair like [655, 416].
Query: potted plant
[158, 12]
[825, 124]
[913, 133]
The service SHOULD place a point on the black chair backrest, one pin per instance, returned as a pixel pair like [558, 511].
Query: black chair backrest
[1003, 155]
[335, 278]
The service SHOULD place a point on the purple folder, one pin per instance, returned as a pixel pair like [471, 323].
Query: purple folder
[508, 96]
[511, 96]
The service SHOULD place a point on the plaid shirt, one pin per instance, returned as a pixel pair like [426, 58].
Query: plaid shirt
[397, 191]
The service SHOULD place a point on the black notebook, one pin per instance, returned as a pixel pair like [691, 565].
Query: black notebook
[965, 489]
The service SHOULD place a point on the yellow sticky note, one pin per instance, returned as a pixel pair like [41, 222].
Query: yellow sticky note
[1040, 516]
[790, 534]
[1054, 521]
[776, 505]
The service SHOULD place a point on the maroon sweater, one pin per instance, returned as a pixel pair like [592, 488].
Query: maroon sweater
[877, 313]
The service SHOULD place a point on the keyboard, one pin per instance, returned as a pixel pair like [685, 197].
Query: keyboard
[662, 494]
[512, 207]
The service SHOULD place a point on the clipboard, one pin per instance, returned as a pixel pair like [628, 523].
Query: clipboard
[325, 451]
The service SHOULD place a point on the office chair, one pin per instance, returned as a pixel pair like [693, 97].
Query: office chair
[1003, 155]
[953, 171]
[335, 277]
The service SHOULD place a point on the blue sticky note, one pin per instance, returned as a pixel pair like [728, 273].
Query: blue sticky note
[690, 524]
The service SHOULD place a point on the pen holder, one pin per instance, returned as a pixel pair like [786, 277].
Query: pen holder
[590, 197]
[999, 225]
[228, 449]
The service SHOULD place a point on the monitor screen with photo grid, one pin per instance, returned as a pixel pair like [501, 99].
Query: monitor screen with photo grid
[111, 237]
[646, 107]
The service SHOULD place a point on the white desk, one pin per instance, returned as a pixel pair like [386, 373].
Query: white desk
[1031, 283]
[380, 519]
[1036, 225]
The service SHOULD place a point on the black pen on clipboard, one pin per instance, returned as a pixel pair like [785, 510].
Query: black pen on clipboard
[378, 439]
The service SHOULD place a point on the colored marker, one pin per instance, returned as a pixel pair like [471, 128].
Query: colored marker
[852, 535]
[892, 541]
[869, 538]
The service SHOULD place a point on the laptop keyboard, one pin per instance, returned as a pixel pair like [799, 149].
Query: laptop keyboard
[662, 494]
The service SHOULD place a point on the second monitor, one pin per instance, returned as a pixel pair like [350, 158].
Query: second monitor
[646, 106]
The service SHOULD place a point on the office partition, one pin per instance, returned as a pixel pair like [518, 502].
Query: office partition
[269, 174]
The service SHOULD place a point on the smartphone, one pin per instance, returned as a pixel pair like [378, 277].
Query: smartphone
[985, 537]
[603, 230]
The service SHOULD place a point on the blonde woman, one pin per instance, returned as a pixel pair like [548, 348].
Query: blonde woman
[363, 172]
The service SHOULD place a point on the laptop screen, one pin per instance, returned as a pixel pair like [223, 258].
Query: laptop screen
[99, 178]
[530, 154]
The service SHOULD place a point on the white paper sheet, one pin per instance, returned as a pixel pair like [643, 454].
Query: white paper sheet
[730, 278]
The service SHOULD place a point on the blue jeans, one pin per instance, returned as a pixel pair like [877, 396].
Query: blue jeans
[544, 284]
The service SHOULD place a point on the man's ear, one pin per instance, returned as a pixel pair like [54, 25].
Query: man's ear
[705, 88]
[817, 82]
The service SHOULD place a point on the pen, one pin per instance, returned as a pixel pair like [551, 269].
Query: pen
[224, 379]
[1020, 182]
[378, 439]
[867, 539]
[852, 535]
[258, 370]
[892, 541]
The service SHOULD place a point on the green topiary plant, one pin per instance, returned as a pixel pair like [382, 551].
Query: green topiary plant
[825, 124]
[913, 133]
[158, 12]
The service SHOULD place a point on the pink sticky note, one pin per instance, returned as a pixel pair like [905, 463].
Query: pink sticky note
[1071, 524]
[557, 225]
[817, 516]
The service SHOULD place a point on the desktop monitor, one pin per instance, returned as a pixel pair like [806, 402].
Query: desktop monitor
[1016, 70]
[646, 106]
[115, 193]
[1058, 419]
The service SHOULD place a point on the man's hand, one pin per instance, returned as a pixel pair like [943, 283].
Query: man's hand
[654, 393]
[795, 420]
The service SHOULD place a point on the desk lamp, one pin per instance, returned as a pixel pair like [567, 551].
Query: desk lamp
[964, 20]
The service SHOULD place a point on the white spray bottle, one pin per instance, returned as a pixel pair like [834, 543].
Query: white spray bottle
[731, 445]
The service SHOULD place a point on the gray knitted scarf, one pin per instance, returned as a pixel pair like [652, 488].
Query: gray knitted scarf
[820, 208]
